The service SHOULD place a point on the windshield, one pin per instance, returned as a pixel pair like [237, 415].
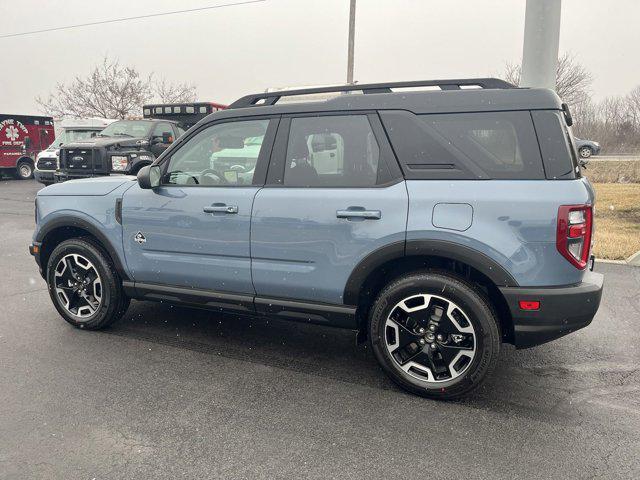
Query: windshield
[73, 135]
[127, 128]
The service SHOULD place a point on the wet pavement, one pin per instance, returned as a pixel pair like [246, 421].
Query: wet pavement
[178, 393]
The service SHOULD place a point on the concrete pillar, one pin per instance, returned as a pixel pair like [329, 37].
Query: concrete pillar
[541, 41]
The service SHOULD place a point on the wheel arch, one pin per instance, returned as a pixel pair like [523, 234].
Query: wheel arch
[25, 159]
[64, 228]
[387, 263]
[136, 166]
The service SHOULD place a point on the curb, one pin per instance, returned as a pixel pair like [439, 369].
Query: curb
[633, 260]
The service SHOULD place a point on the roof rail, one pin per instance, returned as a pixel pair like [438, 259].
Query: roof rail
[270, 98]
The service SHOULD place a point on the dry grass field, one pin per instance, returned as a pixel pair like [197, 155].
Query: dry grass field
[617, 217]
[612, 171]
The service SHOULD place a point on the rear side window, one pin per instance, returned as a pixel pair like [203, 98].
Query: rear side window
[558, 154]
[486, 145]
[331, 151]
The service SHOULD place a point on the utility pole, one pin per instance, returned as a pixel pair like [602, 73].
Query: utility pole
[541, 40]
[352, 28]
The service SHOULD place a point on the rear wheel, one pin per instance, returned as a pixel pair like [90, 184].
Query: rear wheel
[24, 170]
[434, 334]
[83, 285]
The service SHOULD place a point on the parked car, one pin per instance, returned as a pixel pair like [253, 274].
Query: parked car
[68, 131]
[587, 148]
[22, 137]
[437, 224]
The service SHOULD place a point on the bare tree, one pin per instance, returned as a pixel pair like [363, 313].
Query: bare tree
[112, 91]
[573, 80]
[633, 102]
[167, 92]
[109, 91]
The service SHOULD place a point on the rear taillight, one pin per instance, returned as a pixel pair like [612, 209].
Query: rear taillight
[573, 235]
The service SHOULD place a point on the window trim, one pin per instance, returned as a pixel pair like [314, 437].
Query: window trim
[259, 177]
[277, 165]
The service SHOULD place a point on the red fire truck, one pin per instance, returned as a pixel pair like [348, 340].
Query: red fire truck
[21, 138]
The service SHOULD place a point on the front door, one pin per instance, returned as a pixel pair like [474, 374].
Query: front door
[194, 230]
[334, 195]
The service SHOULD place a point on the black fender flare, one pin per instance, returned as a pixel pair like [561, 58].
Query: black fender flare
[76, 222]
[435, 248]
[136, 165]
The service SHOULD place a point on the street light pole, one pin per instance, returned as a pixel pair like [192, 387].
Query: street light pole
[352, 28]
[541, 39]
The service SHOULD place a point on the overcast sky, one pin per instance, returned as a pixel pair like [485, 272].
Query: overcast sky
[231, 51]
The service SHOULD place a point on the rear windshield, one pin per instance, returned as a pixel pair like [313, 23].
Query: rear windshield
[485, 145]
[556, 145]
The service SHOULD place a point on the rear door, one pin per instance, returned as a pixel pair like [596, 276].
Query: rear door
[193, 231]
[334, 194]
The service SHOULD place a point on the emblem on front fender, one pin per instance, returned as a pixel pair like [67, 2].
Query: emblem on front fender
[139, 238]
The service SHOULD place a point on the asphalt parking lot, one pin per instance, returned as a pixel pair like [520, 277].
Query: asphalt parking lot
[177, 393]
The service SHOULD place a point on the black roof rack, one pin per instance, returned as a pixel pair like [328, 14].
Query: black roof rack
[270, 98]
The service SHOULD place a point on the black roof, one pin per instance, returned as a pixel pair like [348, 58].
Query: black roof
[453, 96]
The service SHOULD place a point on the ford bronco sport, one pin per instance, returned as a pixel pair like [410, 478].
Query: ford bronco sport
[437, 224]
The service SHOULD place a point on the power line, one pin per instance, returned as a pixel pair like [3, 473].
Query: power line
[115, 20]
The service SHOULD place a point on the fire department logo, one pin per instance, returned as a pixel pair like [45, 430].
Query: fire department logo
[12, 133]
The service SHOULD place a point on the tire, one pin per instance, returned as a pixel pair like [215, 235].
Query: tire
[24, 170]
[457, 311]
[585, 152]
[102, 301]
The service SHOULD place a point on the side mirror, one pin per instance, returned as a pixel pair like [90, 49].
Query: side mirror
[167, 137]
[583, 162]
[93, 134]
[149, 177]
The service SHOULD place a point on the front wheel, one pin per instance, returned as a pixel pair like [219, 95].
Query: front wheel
[585, 152]
[434, 334]
[84, 286]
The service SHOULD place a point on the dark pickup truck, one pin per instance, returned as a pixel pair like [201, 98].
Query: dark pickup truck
[123, 147]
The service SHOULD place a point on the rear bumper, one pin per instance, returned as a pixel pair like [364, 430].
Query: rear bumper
[562, 310]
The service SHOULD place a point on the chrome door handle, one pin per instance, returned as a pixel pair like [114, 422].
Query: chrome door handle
[357, 213]
[220, 208]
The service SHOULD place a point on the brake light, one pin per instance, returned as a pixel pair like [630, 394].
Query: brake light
[573, 234]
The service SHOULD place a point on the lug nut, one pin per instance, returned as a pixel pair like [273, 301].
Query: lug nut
[421, 341]
[433, 346]
[421, 330]
[440, 337]
[432, 328]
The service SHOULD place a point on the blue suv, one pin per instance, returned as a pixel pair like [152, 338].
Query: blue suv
[438, 224]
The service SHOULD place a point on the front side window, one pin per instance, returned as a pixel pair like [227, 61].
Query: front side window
[161, 129]
[331, 151]
[221, 155]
